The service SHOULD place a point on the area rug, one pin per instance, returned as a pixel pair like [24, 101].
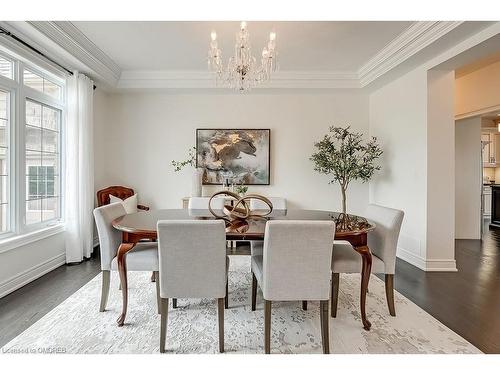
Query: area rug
[76, 325]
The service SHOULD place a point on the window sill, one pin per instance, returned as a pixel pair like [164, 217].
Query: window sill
[24, 239]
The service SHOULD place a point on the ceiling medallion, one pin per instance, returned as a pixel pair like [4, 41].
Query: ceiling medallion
[242, 72]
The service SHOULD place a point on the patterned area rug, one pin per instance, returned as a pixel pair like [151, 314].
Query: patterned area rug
[76, 326]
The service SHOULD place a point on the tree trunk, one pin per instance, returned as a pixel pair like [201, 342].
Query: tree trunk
[343, 190]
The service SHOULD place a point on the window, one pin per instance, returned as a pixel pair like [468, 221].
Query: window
[32, 106]
[4, 161]
[6, 68]
[42, 84]
[42, 162]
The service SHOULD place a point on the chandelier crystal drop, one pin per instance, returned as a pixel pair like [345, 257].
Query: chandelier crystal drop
[242, 71]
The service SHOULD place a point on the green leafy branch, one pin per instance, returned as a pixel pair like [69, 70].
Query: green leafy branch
[191, 160]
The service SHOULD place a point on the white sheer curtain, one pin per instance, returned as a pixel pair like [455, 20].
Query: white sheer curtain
[79, 167]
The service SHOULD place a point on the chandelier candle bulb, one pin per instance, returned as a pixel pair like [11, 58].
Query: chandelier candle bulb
[242, 71]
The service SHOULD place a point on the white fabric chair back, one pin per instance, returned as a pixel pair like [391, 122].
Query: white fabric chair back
[278, 204]
[383, 241]
[296, 260]
[109, 237]
[201, 203]
[192, 256]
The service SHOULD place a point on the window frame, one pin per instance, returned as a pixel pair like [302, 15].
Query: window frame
[47, 100]
[19, 93]
[13, 61]
[11, 160]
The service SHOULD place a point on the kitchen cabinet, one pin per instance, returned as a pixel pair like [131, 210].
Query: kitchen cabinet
[485, 139]
[496, 143]
[491, 149]
[486, 201]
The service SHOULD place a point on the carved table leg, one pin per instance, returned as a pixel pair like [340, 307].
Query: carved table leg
[122, 270]
[366, 256]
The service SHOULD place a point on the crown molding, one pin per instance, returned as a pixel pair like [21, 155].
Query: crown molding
[414, 39]
[167, 79]
[72, 40]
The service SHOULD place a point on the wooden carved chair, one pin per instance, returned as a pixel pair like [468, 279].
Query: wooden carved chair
[121, 192]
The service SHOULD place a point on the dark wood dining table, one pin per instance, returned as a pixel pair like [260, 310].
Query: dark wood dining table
[141, 226]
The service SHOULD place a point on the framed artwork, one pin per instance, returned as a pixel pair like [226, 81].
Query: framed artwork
[241, 154]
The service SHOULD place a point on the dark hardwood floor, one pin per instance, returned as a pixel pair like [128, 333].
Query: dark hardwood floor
[467, 301]
[25, 306]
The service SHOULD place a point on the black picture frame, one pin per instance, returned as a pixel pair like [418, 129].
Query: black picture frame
[268, 182]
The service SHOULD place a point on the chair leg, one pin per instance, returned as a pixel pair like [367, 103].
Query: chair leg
[335, 293]
[174, 303]
[267, 327]
[163, 324]
[220, 312]
[226, 299]
[153, 277]
[325, 331]
[304, 305]
[157, 277]
[106, 277]
[389, 293]
[254, 291]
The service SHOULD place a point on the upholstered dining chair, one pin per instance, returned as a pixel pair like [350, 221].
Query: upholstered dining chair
[294, 266]
[256, 204]
[278, 203]
[143, 257]
[201, 203]
[192, 258]
[121, 192]
[382, 242]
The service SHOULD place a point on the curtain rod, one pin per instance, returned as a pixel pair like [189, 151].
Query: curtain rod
[19, 40]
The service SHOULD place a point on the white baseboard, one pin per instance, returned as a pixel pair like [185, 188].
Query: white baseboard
[428, 265]
[441, 265]
[31, 274]
[411, 258]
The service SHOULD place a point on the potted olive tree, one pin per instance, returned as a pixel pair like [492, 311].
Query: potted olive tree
[343, 155]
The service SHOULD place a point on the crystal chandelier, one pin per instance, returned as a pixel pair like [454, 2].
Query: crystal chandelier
[242, 72]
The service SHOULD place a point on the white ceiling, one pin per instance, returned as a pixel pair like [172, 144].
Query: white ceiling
[302, 46]
[313, 55]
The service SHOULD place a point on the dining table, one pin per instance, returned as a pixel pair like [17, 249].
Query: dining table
[141, 226]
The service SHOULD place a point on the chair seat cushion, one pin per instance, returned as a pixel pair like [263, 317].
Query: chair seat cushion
[143, 257]
[347, 260]
[257, 265]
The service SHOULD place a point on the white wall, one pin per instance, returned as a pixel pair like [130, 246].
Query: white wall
[20, 265]
[478, 91]
[398, 118]
[137, 135]
[468, 178]
[440, 247]
[413, 118]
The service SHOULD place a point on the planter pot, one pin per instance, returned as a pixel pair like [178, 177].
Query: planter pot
[196, 181]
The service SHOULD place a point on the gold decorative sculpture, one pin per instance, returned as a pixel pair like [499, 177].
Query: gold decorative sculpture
[240, 209]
